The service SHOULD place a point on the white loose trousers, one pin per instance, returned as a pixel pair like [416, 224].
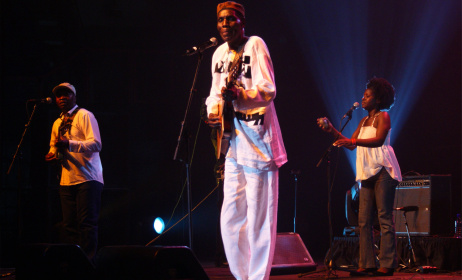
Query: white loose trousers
[249, 219]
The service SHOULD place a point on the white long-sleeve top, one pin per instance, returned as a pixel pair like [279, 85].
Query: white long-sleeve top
[81, 162]
[256, 139]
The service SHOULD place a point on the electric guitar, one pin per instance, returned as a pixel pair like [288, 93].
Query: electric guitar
[64, 128]
[226, 110]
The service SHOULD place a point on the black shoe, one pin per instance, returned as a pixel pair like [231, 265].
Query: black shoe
[383, 271]
[363, 271]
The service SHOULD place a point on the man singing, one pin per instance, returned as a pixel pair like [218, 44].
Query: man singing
[256, 150]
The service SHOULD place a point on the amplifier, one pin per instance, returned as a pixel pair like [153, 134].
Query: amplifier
[432, 196]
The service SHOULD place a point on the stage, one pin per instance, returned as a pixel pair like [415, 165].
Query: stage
[223, 273]
[436, 258]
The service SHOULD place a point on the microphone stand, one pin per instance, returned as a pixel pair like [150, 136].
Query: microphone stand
[412, 258]
[186, 162]
[18, 148]
[325, 156]
[295, 173]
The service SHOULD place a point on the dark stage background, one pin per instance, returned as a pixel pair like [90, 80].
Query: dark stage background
[125, 60]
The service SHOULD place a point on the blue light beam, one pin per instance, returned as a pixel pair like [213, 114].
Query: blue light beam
[349, 42]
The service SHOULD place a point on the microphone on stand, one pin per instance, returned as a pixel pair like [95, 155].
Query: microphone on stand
[47, 100]
[354, 107]
[407, 208]
[200, 48]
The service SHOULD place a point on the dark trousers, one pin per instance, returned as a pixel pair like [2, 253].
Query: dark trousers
[378, 191]
[81, 205]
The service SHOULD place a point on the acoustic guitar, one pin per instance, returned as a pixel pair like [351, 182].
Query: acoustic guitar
[226, 109]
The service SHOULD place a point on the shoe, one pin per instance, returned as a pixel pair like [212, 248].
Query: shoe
[363, 271]
[383, 271]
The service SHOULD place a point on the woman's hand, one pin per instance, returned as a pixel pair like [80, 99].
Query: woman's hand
[343, 142]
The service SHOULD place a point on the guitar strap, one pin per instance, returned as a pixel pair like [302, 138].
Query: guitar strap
[66, 123]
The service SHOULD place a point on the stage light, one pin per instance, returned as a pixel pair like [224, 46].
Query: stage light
[346, 43]
[158, 225]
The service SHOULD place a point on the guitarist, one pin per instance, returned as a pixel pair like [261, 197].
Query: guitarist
[75, 143]
[256, 150]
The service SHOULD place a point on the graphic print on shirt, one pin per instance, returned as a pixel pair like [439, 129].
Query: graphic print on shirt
[245, 70]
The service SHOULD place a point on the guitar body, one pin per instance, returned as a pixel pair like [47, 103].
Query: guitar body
[226, 115]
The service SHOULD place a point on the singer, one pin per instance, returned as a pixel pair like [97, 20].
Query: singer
[256, 150]
[75, 143]
[378, 172]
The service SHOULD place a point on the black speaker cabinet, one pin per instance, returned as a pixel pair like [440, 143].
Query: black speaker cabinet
[154, 263]
[53, 261]
[432, 196]
[291, 255]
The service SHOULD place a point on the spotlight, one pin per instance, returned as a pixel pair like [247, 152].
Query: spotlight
[158, 225]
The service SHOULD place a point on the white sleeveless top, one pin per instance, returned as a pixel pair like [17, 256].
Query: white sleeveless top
[369, 161]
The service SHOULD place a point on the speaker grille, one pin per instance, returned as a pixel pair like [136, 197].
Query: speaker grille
[432, 195]
[291, 255]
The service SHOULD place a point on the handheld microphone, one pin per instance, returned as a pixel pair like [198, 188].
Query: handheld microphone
[407, 208]
[354, 107]
[47, 100]
[200, 48]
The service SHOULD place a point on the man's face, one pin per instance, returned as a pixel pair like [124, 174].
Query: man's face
[65, 100]
[230, 26]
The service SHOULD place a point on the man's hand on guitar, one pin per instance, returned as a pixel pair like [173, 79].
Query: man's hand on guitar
[230, 94]
[214, 120]
[62, 144]
[50, 157]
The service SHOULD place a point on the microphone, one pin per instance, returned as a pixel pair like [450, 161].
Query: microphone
[200, 48]
[354, 107]
[47, 100]
[407, 208]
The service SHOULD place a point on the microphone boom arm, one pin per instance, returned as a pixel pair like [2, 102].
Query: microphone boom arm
[22, 138]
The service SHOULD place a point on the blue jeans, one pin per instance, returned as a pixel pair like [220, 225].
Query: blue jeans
[81, 205]
[379, 191]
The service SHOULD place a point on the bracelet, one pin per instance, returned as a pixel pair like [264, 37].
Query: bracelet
[353, 141]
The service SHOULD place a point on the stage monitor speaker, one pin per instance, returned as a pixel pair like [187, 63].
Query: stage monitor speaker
[53, 261]
[291, 255]
[432, 195]
[154, 263]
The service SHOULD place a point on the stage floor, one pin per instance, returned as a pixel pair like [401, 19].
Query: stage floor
[222, 273]
[443, 253]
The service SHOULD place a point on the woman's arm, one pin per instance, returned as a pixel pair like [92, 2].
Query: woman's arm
[383, 126]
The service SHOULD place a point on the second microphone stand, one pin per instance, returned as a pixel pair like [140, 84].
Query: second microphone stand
[325, 157]
[19, 176]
